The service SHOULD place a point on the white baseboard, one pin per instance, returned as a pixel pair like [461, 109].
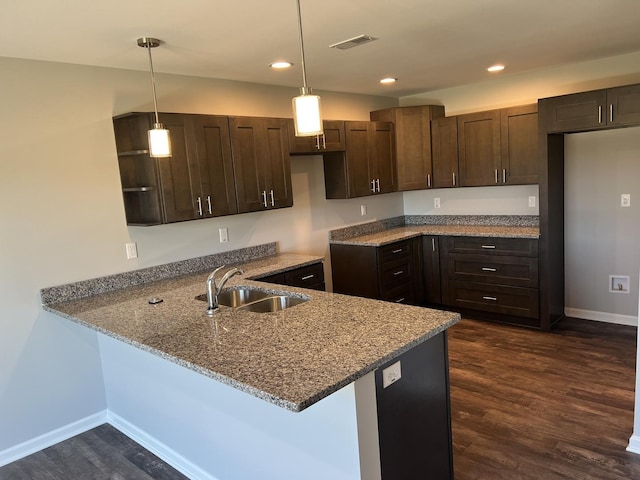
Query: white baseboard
[601, 316]
[158, 448]
[634, 444]
[51, 438]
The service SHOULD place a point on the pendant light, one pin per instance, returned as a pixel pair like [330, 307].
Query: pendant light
[159, 140]
[307, 117]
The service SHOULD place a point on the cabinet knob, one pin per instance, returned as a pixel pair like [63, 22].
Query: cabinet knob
[209, 204]
[199, 202]
[492, 299]
[264, 198]
[273, 201]
[489, 246]
[489, 269]
[308, 277]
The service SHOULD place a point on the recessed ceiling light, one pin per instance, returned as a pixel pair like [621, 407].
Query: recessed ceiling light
[388, 80]
[495, 68]
[280, 65]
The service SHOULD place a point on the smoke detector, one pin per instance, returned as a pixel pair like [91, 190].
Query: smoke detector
[353, 42]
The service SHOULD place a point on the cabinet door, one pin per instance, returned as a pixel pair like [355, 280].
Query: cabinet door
[178, 173]
[276, 163]
[217, 191]
[413, 143]
[623, 105]
[249, 171]
[357, 158]
[431, 269]
[519, 136]
[444, 144]
[382, 157]
[261, 163]
[479, 148]
[579, 111]
[332, 140]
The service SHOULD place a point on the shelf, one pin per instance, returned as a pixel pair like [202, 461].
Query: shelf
[133, 152]
[137, 189]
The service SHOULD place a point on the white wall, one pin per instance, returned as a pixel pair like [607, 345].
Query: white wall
[601, 237]
[63, 217]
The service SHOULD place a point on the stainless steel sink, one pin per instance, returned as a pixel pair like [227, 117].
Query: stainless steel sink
[273, 304]
[254, 300]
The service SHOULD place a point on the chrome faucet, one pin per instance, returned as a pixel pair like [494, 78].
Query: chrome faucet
[213, 289]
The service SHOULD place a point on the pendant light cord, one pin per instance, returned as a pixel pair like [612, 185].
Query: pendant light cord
[304, 72]
[153, 84]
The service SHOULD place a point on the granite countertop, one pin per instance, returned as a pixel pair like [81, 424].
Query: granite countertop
[292, 358]
[391, 235]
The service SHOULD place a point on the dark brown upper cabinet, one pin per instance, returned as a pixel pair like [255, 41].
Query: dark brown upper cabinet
[412, 143]
[519, 137]
[367, 165]
[496, 147]
[195, 182]
[479, 159]
[444, 145]
[261, 161]
[332, 140]
[593, 110]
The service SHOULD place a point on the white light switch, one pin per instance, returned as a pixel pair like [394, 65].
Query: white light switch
[363, 210]
[224, 235]
[132, 251]
[436, 202]
[532, 201]
[625, 200]
[391, 374]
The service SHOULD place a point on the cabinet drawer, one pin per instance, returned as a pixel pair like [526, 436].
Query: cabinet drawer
[394, 251]
[306, 277]
[519, 301]
[495, 269]
[522, 247]
[399, 294]
[396, 272]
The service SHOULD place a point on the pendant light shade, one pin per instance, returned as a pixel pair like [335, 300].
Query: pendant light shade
[307, 114]
[159, 139]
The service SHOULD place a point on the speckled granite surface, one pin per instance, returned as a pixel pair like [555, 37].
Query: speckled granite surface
[96, 286]
[292, 358]
[378, 233]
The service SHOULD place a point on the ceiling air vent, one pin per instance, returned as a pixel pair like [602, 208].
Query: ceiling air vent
[353, 42]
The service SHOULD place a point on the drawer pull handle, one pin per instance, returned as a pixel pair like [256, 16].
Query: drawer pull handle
[308, 277]
[488, 246]
[489, 269]
[493, 299]
[400, 300]
[398, 250]
[399, 272]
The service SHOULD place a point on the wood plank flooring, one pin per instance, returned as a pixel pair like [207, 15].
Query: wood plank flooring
[526, 405]
[102, 453]
[533, 405]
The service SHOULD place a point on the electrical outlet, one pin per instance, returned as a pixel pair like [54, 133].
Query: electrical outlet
[532, 201]
[436, 202]
[625, 200]
[363, 210]
[132, 251]
[224, 235]
[391, 374]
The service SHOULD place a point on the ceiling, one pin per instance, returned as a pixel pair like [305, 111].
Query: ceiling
[426, 44]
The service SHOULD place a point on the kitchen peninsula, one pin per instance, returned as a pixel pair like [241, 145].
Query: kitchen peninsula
[322, 359]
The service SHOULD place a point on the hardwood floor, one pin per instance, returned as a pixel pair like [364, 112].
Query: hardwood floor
[534, 405]
[102, 453]
[526, 405]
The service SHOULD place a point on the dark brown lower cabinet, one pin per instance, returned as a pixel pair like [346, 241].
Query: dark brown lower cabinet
[496, 276]
[391, 272]
[309, 276]
[414, 415]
